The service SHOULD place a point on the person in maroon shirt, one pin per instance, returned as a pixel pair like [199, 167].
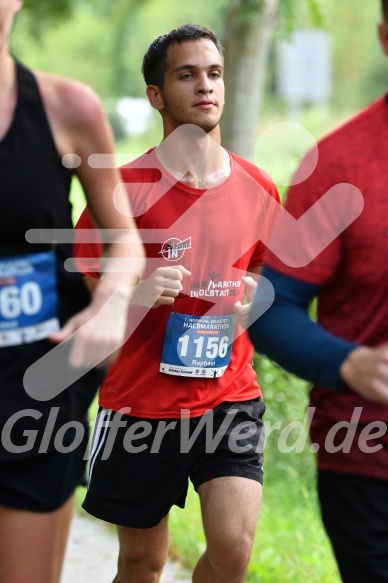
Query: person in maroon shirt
[345, 354]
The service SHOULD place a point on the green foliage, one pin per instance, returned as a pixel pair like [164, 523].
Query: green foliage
[48, 9]
[249, 10]
[102, 42]
[300, 14]
[80, 51]
[122, 16]
[38, 14]
[360, 69]
[290, 12]
[317, 14]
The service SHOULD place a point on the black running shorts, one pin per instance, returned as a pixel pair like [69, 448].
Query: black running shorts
[43, 444]
[140, 468]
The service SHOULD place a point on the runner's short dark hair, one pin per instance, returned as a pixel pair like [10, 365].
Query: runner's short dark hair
[384, 7]
[155, 60]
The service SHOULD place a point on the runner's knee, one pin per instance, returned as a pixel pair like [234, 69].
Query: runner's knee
[229, 556]
[136, 569]
[143, 554]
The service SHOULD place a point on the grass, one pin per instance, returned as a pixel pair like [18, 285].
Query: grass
[290, 544]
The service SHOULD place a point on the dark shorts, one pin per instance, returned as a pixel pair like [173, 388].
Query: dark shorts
[355, 514]
[43, 444]
[140, 468]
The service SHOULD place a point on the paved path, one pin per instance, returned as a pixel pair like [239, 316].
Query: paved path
[92, 555]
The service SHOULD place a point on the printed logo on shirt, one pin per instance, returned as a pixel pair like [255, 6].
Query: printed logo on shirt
[173, 249]
[212, 288]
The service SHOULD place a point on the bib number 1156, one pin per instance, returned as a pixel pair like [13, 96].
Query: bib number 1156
[204, 346]
[197, 346]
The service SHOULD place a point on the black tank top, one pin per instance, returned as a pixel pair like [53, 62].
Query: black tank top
[34, 190]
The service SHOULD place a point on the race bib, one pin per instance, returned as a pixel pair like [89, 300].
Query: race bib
[197, 346]
[28, 298]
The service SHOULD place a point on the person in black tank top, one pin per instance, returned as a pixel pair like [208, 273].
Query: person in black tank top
[46, 384]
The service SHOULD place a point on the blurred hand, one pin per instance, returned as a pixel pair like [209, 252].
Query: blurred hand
[161, 288]
[242, 311]
[97, 332]
[365, 370]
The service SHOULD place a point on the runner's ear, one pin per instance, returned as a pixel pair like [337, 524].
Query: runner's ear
[155, 97]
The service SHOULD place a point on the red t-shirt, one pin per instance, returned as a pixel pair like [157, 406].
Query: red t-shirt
[354, 272]
[218, 235]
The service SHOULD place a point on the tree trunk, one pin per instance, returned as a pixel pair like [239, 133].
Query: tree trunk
[248, 32]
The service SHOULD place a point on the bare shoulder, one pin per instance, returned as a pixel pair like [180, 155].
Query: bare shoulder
[68, 102]
[75, 115]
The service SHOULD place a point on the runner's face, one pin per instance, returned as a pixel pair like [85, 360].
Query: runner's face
[8, 9]
[193, 91]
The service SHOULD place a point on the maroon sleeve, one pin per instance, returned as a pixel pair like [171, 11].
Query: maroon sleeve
[301, 196]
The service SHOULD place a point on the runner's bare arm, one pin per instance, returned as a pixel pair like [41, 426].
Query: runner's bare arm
[79, 127]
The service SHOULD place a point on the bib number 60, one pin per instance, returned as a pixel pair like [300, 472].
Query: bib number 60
[26, 299]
